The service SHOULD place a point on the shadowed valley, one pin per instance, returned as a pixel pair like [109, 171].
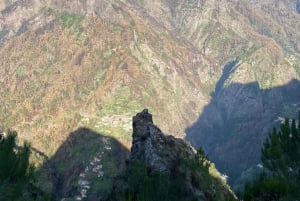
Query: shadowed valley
[233, 126]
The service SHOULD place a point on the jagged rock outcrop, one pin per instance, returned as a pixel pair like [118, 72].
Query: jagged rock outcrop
[95, 63]
[173, 157]
[158, 151]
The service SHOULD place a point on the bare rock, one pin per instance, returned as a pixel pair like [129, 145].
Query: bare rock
[158, 151]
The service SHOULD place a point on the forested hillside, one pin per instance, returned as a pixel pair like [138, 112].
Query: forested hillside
[217, 73]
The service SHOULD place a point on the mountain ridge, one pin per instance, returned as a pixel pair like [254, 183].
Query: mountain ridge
[172, 159]
[97, 63]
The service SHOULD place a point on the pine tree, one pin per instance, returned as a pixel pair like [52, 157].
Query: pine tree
[281, 160]
[15, 169]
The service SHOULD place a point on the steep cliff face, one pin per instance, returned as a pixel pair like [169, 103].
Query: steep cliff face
[175, 159]
[159, 152]
[230, 126]
[263, 36]
[254, 49]
[94, 64]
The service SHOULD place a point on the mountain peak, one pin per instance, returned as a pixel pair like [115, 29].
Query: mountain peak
[149, 143]
[174, 157]
[140, 123]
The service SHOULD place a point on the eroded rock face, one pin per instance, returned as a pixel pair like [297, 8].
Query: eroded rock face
[158, 151]
[172, 156]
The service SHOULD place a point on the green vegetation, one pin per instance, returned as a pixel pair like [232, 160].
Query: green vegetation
[16, 173]
[139, 183]
[281, 160]
[117, 28]
[204, 176]
[200, 162]
[69, 20]
[3, 33]
[142, 185]
[73, 23]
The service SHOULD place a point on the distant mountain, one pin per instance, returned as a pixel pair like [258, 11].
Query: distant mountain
[234, 130]
[95, 63]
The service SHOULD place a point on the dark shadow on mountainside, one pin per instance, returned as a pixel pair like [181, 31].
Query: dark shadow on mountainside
[233, 126]
[84, 166]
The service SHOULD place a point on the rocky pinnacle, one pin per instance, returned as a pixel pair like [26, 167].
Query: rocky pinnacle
[159, 152]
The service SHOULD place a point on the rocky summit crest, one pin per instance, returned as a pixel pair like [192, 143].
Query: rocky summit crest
[176, 160]
[158, 151]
